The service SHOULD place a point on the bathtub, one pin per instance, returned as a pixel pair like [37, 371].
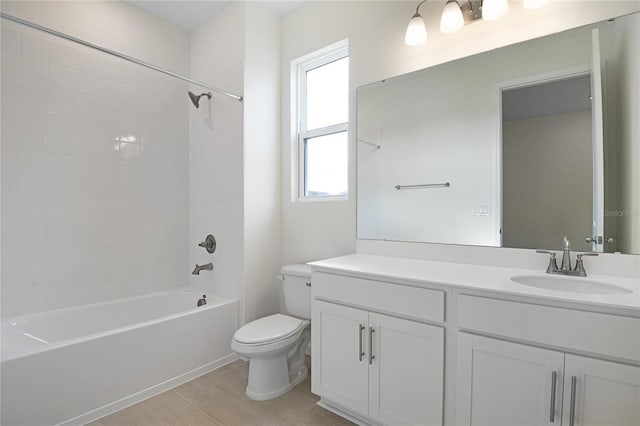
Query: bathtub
[75, 365]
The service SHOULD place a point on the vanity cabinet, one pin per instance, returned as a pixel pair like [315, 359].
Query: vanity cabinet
[606, 393]
[378, 366]
[505, 383]
[379, 356]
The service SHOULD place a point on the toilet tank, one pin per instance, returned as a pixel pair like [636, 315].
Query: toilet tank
[296, 285]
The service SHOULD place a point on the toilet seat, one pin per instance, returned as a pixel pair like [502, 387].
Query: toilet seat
[268, 330]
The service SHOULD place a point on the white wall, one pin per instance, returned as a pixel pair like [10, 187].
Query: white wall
[261, 161]
[547, 190]
[376, 31]
[112, 24]
[94, 161]
[216, 181]
[234, 161]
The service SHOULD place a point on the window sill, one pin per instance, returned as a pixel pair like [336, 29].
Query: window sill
[317, 198]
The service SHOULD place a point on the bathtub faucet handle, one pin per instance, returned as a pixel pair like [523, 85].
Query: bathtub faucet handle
[209, 244]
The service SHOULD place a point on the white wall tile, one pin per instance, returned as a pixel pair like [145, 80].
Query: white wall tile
[60, 76]
[59, 231]
[129, 151]
[33, 93]
[60, 187]
[10, 67]
[59, 142]
[107, 189]
[85, 230]
[108, 169]
[86, 83]
[60, 100]
[33, 70]
[9, 159]
[34, 46]
[62, 55]
[9, 182]
[31, 231]
[31, 209]
[59, 164]
[84, 209]
[10, 41]
[84, 187]
[32, 162]
[32, 186]
[84, 166]
[60, 123]
[58, 209]
[74, 176]
[10, 209]
[9, 233]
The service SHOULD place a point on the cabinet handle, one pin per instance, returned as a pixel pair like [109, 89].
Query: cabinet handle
[572, 409]
[371, 355]
[360, 352]
[552, 413]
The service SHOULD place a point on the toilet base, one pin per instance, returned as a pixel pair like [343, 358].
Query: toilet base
[279, 371]
[295, 379]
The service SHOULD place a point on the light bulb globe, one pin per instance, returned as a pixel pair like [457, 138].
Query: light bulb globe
[494, 9]
[451, 19]
[416, 31]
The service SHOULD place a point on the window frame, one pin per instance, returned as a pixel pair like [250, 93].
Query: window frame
[310, 62]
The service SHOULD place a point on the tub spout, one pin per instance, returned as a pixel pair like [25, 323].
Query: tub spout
[198, 268]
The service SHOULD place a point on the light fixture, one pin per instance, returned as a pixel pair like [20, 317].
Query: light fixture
[416, 31]
[456, 13]
[534, 4]
[451, 19]
[494, 9]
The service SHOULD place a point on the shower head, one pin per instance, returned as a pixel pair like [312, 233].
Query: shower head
[196, 98]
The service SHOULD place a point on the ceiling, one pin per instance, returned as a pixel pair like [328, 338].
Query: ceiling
[188, 14]
[555, 97]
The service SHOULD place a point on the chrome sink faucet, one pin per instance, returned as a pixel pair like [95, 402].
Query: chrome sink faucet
[565, 268]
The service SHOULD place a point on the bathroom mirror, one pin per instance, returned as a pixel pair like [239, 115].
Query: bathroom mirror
[515, 147]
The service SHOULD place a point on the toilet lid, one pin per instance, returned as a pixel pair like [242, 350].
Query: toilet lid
[267, 329]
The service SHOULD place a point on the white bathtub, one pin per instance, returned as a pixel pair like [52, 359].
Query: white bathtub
[74, 365]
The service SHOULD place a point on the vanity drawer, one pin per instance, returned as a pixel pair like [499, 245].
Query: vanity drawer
[408, 301]
[592, 332]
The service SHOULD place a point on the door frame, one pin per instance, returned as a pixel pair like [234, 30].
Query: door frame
[524, 81]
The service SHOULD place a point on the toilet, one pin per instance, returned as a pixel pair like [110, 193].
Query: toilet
[275, 345]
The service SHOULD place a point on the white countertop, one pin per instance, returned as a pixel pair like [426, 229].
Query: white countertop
[477, 277]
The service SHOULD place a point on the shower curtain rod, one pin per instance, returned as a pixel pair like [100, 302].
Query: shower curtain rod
[116, 54]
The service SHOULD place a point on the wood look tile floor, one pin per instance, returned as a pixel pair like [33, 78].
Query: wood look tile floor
[218, 398]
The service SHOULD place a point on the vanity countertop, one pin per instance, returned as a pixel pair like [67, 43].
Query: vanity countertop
[478, 277]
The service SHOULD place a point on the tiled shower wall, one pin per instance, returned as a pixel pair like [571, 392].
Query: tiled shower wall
[95, 175]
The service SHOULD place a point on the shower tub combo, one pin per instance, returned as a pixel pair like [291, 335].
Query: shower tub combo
[74, 365]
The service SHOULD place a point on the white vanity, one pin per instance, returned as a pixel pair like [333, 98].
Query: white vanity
[405, 341]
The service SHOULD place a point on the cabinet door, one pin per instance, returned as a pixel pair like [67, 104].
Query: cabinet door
[502, 383]
[340, 369]
[406, 372]
[605, 393]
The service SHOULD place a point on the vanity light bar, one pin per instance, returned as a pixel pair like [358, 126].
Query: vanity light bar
[457, 13]
[424, 185]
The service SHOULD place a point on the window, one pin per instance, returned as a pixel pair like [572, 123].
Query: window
[323, 114]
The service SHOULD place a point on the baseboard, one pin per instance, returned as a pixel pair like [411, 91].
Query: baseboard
[149, 392]
[335, 410]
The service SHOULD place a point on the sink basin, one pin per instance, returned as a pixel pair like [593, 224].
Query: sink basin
[569, 284]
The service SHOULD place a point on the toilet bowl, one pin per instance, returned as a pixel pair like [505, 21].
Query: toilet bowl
[276, 345]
